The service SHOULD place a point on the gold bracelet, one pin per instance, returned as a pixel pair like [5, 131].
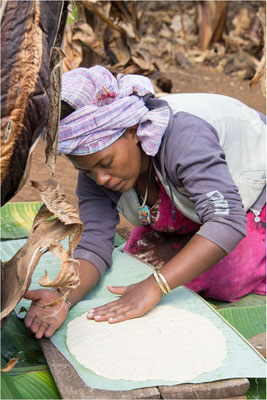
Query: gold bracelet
[159, 276]
[163, 291]
[165, 282]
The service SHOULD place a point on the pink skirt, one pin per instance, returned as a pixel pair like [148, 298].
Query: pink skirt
[241, 272]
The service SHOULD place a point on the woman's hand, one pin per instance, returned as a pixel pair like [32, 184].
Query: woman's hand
[136, 300]
[41, 321]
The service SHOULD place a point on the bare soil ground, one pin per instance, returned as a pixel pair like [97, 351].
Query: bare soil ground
[193, 79]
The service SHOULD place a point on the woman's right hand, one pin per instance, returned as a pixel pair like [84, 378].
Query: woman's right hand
[44, 321]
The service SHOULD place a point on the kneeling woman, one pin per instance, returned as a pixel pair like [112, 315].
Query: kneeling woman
[187, 170]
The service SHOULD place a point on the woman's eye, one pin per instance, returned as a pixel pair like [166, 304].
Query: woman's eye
[106, 165]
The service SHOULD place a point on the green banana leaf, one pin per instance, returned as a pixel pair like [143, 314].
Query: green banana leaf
[249, 300]
[16, 219]
[118, 240]
[8, 388]
[16, 343]
[73, 16]
[33, 385]
[30, 378]
[257, 389]
[249, 321]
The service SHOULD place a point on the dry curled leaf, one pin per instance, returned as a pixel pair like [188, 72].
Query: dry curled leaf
[68, 276]
[10, 364]
[55, 201]
[46, 234]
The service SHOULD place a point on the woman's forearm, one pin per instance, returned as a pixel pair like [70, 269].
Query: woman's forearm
[196, 257]
[89, 277]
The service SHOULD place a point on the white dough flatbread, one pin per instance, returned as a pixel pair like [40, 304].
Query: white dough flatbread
[168, 343]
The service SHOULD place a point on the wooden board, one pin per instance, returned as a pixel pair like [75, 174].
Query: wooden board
[71, 386]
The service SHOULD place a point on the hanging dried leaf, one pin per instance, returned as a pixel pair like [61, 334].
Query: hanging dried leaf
[27, 35]
[51, 134]
[55, 201]
[68, 276]
[46, 234]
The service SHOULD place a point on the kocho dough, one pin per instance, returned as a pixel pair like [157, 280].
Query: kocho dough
[168, 344]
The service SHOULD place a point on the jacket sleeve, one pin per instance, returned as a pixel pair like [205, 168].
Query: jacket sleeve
[197, 163]
[100, 217]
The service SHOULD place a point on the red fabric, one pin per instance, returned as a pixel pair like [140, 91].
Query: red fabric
[241, 272]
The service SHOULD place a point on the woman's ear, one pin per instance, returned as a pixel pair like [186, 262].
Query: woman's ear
[132, 131]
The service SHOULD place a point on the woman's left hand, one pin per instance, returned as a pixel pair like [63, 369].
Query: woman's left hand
[135, 301]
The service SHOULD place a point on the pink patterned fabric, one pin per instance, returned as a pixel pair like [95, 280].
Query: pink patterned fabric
[105, 107]
[241, 272]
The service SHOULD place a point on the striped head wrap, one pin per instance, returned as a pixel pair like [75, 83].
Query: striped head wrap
[104, 108]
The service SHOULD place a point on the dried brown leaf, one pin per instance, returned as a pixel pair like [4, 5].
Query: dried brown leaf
[103, 13]
[10, 364]
[119, 49]
[51, 134]
[86, 35]
[55, 201]
[211, 20]
[260, 76]
[77, 35]
[126, 18]
[72, 50]
[241, 21]
[46, 234]
[146, 67]
[109, 29]
[68, 276]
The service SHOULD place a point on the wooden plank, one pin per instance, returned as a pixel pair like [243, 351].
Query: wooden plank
[71, 386]
[259, 343]
[211, 390]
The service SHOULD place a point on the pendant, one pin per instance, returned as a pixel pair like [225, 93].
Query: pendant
[256, 213]
[144, 215]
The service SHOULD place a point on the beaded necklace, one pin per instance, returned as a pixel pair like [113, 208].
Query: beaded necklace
[143, 209]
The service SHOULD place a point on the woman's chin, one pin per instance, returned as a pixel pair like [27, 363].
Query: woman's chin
[125, 187]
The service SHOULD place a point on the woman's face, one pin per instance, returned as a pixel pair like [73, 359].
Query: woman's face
[118, 166]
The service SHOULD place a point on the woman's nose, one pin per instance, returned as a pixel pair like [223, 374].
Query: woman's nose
[102, 178]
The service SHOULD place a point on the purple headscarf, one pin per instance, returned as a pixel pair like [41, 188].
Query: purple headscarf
[104, 108]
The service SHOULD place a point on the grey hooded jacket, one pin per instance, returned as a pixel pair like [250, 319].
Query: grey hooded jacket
[204, 158]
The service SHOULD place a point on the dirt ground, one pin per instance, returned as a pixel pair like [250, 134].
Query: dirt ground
[194, 79]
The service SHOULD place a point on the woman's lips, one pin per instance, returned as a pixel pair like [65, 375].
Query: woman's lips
[116, 187]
